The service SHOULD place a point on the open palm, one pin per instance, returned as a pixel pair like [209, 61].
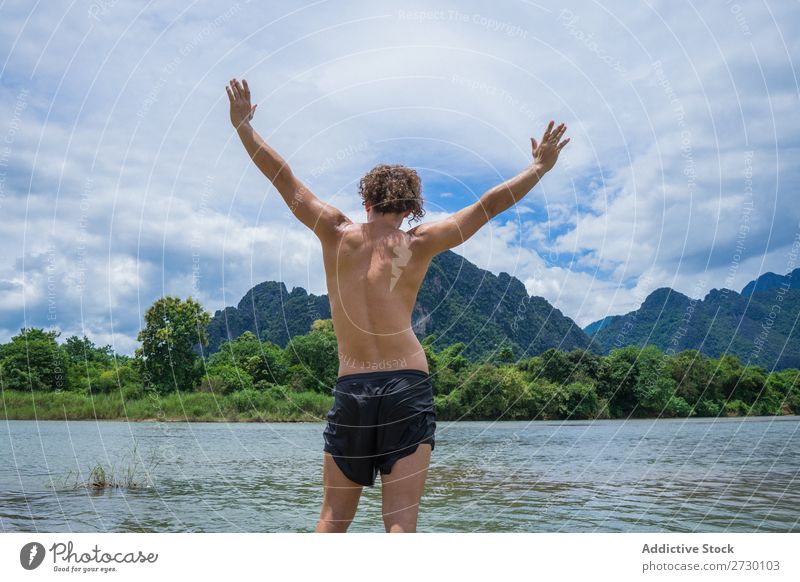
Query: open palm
[545, 153]
[239, 97]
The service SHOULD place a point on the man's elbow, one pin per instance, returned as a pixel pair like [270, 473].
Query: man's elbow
[491, 207]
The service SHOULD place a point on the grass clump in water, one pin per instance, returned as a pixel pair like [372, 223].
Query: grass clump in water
[135, 474]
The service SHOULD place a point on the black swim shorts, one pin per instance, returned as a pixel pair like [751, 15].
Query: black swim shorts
[378, 418]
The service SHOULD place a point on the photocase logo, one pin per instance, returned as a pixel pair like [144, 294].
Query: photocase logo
[31, 555]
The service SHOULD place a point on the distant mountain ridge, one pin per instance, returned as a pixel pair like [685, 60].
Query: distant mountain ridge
[758, 325]
[457, 302]
[772, 281]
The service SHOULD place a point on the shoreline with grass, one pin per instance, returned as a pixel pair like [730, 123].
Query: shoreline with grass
[252, 380]
[242, 406]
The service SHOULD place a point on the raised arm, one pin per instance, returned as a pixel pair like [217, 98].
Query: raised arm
[450, 232]
[317, 215]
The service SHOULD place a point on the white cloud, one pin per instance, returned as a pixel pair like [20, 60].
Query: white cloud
[124, 160]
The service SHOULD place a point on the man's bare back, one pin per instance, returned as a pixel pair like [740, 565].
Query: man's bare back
[373, 276]
[383, 415]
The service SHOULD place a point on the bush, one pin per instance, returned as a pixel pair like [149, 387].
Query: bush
[617, 380]
[582, 400]
[677, 407]
[494, 393]
[262, 360]
[33, 360]
[602, 408]
[213, 384]
[707, 408]
[657, 393]
[781, 392]
[315, 357]
[449, 406]
[224, 379]
[105, 382]
[556, 366]
[133, 391]
[736, 408]
[547, 400]
[274, 391]
[446, 381]
[113, 380]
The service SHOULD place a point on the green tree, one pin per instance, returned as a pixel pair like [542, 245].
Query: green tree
[263, 361]
[547, 399]
[92, 368]
[82, 351]
[690, 370]
[657, 394]
[451, 357]
[550, 400]
[581, 400]
[656, 390]
[783, 390]
[504, 355]
[531, 367]
[556, 366]
[226, 378]
[726, 373]
[313, 358]
[618, 378]
[270, 365]
[33, 360]
[236, 352]
[447, 368]
[172, 328]
[490, 392]
[115, 379]
[751, 384]
[585, 365]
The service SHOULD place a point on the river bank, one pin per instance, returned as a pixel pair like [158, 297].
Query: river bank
[178, 407]
[242, 406]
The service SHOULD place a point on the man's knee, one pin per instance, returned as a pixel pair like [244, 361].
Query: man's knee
[401, 521]
[331, 524]
[400, 526]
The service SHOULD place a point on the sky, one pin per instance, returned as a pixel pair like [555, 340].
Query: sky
[122, 179]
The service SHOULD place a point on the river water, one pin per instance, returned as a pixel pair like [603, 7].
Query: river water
[697, 475]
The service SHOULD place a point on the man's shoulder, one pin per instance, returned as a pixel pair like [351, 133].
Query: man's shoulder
[419, 236]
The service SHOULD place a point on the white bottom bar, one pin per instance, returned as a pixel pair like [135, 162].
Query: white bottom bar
[612, 556]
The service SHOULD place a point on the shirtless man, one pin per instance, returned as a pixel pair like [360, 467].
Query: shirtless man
[382, 419]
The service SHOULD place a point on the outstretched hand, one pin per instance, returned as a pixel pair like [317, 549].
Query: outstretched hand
[545, 153]
[239, 97]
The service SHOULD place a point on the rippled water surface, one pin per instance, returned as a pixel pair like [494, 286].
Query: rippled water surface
[642, 475]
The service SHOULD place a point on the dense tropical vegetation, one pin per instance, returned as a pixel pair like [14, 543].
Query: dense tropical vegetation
[251, 379]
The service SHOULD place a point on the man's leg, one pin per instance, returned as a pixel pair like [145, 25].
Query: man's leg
[340, 499]
[402, 490]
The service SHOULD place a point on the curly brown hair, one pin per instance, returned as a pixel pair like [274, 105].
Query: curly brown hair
[393, 188]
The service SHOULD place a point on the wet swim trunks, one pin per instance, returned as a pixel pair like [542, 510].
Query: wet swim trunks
[378, 418]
